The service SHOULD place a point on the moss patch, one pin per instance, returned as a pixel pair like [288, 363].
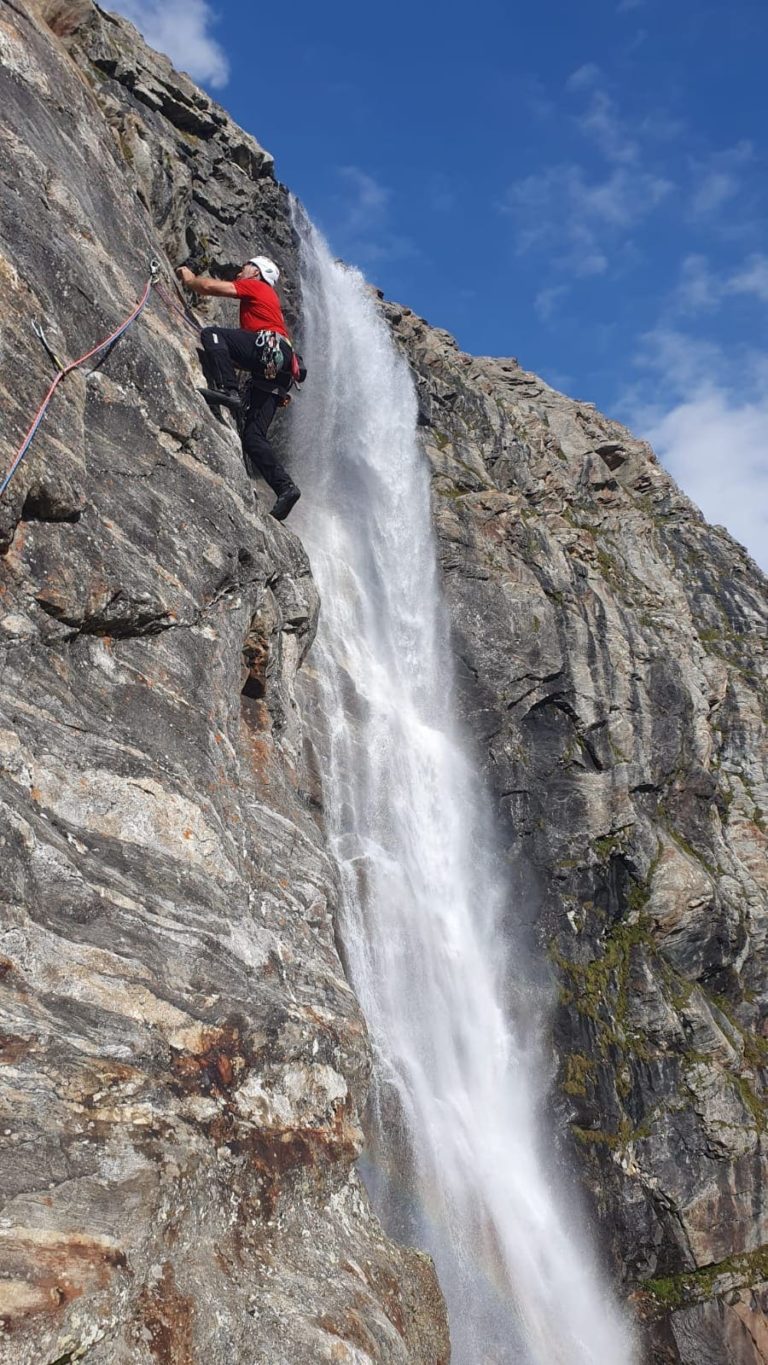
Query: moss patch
[599, 989]
[578, 1070]
[610, 843]
[676, 1291]
[599, 1137]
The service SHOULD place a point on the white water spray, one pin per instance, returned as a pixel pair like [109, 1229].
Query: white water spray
[455, 1162]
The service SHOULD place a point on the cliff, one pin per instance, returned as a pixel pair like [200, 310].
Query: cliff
[612, 647]
[185, 1065]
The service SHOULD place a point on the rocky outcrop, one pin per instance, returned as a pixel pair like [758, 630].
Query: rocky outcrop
[612, 649]
[183, 1062]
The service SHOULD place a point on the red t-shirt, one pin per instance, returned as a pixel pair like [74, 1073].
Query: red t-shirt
[259, 307]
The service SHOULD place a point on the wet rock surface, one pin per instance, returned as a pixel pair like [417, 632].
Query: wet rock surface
[183, 1062]
[612, 657]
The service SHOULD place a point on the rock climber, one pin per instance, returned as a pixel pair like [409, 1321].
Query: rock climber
[261, 346]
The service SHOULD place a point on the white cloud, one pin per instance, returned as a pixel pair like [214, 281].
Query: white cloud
[716, 446]
[181, 29]
[699, 289]
[577, 219]
[619, 200]
[752, 279]
[624, 198]
[639, 37]
[703, 406]
[546, 300]
[678, 362]
[601, 122]
[720, 180]
[584, 219]
[705, 412]
[585, 262]
[661, 126]
[584, 77]
[714, 190]
[363, 230]
[369, 201]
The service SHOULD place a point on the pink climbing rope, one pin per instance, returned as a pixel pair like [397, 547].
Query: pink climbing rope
[67, 369]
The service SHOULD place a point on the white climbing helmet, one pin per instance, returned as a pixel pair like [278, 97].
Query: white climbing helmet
[269, 271]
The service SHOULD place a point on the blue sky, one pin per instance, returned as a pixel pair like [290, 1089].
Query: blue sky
[582, 186]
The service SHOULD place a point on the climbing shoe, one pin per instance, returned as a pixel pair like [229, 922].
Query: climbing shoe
[228, 398]
[286, 500]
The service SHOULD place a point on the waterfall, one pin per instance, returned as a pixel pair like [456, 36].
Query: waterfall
[455, 1161]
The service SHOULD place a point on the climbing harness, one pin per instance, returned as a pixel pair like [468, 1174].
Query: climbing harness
[271, 358]
[65, 369]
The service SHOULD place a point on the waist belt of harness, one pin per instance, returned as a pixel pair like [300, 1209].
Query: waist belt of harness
[270, 353]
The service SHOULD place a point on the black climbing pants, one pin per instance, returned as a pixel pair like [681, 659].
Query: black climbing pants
[230, 348]
[260, 457]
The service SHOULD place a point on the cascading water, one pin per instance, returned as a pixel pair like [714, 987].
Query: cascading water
[455, 1161]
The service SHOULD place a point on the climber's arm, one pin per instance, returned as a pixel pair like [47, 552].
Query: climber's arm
[200, 284]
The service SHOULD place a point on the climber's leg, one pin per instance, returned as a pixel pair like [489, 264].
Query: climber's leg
[226, 348]
[260, 457]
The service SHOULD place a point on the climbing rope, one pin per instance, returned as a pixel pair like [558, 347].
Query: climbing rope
[182, 312]
[64, 370]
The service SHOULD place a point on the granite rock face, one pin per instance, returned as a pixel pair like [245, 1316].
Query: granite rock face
[612, 652]
[183, 1062]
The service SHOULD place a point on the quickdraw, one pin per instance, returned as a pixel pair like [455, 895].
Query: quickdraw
[272, 359]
